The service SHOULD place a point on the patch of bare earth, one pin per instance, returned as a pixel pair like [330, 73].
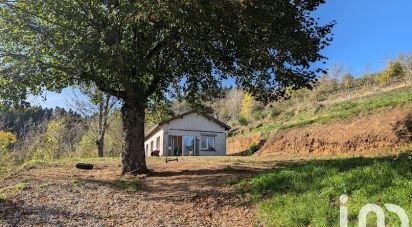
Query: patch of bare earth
[382, 131]
[191, 192]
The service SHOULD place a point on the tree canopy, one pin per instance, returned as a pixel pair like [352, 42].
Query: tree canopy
[138, 50]
[265, 45]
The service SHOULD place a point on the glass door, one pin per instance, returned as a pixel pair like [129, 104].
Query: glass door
[189, 145]
[174, 146]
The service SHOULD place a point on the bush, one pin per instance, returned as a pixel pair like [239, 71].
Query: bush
[259, 115]
[252, 149]
[242, 121]
[2, 198]
[275, 113]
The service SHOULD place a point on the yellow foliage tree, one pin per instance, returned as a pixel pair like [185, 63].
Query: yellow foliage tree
[54, 138]
[393, 71]
[6, 160]
[247, 106]
[6, 139]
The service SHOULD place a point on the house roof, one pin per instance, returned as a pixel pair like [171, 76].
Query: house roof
[158, 126]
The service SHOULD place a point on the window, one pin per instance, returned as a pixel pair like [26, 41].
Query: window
[147, 148]
[151, 146]
[158, 143]
[208, 143]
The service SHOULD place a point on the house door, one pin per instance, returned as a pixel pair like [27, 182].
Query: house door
[174, 144]
[189, 143]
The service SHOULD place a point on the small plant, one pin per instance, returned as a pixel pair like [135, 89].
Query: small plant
[2, 198]
[259, 115]
[252, 149]
[76, 183]
[20, 187]
[243, 121]
[44, 186]
[132, 185]
[274, 113]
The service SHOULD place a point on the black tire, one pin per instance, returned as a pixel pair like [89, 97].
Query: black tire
[84, 166]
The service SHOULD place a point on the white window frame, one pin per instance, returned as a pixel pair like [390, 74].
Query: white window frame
[158, 143]
[208, 138]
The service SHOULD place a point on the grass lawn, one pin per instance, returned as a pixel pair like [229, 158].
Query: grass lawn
[308, 194]
[343, 110]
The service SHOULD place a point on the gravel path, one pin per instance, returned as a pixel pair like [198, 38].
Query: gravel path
[191, 192]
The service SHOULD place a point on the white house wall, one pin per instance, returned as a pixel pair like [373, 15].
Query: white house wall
[194, 122]
[197, 125]
[153, 138]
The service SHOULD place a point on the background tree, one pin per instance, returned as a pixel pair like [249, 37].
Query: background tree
[228, 108]
[406, 62]
[6, 160]
[99, 104]
[394, 71]
[6, 139]
[348, 82]
[136, 50]
[157, 111]
[325, 87]
[247, 106]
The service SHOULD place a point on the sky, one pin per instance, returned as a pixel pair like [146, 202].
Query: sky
[368, 34]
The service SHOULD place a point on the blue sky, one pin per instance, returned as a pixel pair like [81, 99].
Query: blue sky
[368, 34]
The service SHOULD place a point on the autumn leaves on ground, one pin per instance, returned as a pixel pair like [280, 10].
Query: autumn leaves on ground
[195, 192]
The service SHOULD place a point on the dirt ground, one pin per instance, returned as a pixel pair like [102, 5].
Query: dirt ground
[380, 132]
[191, 192]
[367, 135]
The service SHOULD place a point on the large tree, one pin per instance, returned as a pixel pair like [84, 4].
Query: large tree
[138, 50]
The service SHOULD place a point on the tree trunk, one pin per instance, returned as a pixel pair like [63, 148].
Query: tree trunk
[100, 147]
[104, 109]
[133, 156]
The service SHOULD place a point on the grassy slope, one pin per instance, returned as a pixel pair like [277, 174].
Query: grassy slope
[308, 195]
[342, 110]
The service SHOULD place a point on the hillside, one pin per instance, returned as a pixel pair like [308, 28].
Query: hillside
[370, 124]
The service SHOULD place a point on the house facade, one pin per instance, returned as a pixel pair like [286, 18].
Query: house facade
[189, 134]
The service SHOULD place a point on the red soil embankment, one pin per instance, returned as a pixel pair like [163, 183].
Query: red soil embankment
[376, 132]
[239, 144]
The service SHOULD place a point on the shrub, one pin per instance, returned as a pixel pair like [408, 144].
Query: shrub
[128, 185]
[275, 113]
[2, 198]
[242, 121]
[259, 115]
[252, 149]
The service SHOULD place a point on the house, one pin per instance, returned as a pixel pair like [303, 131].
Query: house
[189, 134]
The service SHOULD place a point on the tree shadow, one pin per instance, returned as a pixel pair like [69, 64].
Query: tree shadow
[17, 214]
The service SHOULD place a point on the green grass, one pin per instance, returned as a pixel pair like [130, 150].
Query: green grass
[44, 186]
[19, 187]
[7, 191]
[128, 185]
[342, 110]
[308, 194]
[2, 198]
